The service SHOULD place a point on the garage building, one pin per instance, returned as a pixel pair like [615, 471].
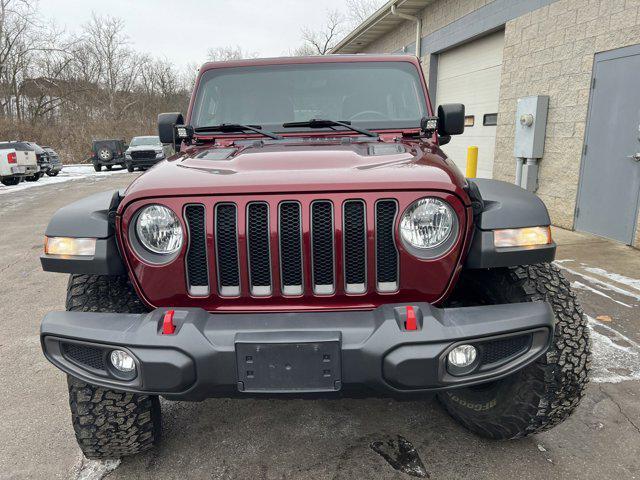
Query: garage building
[583, 54]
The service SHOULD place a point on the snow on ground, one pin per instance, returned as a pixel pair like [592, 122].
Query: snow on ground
[68, 173]
[615, 357]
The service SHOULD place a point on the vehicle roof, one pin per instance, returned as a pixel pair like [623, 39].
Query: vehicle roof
[146, 136]
[311, 59]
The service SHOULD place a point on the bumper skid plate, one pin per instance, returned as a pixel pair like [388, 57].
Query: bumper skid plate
[394, 349]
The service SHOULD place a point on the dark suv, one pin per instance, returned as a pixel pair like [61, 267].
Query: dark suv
[310, 237]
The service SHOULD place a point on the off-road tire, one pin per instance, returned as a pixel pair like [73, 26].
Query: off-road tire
[97, 167]
[108, 423]
[53, 174]
[109, 167]
[543, 394]
[130, 167]
[10, 182]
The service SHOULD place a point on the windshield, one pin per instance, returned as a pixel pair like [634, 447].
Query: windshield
[137, 141]
[371, 95]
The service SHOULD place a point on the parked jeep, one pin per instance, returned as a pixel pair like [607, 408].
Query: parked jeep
[17, 161]
[144, 152]
[310, 237]
[107, 153]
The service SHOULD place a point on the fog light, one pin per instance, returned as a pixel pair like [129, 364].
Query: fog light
[462, 356]
[122, 361]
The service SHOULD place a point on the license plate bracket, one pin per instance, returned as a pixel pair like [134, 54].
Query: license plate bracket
[289, 363]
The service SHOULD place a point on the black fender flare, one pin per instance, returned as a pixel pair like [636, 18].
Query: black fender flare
[502, 205]
[90, 217]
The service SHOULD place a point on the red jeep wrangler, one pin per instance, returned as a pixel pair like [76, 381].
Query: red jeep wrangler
[311, 238]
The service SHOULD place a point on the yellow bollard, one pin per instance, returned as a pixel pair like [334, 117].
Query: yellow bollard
[472, 161]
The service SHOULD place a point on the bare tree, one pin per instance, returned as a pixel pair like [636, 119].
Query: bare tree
[359, 10]
[221, 54]
[320, 42]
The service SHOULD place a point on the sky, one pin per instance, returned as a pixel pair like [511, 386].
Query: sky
[183, 30]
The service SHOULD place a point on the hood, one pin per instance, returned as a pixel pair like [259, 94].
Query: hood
[157, 148]
[301, 166]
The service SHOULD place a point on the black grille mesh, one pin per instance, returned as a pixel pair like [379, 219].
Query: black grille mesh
[143, 154]
[227, 246]
[498, 350]
[85, 355]
[322, 238]
[355, 260]
[197, 254]
[258, 243]
[386, 252]
[290, 243]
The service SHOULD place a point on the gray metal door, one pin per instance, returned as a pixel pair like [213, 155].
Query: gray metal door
[610, 173]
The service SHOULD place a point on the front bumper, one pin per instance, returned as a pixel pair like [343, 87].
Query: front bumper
[219, 354]
[144, 162]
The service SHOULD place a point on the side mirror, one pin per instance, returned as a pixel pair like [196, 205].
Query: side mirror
[450, 119]
[167, 127]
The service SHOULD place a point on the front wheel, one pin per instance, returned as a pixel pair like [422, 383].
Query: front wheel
[33, 178]
[97, 167]
[109, 167]
[51, 173]
[544, 393]
[130, 167]
[109, 423]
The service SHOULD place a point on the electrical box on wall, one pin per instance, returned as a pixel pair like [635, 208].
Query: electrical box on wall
[531, 125]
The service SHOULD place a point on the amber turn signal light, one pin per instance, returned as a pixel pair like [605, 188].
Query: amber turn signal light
[522, 237]
[70, 246]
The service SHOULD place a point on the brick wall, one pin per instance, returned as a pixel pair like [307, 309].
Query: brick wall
[550, 51]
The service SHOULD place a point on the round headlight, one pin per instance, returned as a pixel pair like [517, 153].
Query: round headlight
[159, 230]
[427, 223]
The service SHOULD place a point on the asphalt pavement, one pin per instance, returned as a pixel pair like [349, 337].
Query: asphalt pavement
[316, 439]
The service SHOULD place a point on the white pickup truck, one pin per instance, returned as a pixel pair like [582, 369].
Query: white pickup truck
[17, 160]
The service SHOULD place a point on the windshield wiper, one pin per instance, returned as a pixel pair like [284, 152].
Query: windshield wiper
[318, 123]
[237, 127]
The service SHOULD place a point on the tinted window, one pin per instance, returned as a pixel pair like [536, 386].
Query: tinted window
[370, 94]
[19, 146]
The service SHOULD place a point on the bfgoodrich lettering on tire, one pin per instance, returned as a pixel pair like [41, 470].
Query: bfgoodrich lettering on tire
[546, 392]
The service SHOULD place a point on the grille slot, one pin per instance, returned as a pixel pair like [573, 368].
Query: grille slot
[290, 235]
[259, 248]
[227, 249]
[197, 266]
[85, 355]
[322, 247]
[498, 350]
[386, 250]
[355, 246]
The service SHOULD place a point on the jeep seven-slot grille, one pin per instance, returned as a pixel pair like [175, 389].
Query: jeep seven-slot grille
[290, 234]
[322, 247]
[355, 246]
[386, 251]
[197, 269]
[259, 248]
[284, 224]
[227, 250]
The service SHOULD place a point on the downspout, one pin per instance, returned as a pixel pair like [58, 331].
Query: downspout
[413, 18]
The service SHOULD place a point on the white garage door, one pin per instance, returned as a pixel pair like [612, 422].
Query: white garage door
[470, 74]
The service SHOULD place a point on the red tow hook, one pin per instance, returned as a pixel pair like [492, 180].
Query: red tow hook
[411, 323]
[168, 327]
